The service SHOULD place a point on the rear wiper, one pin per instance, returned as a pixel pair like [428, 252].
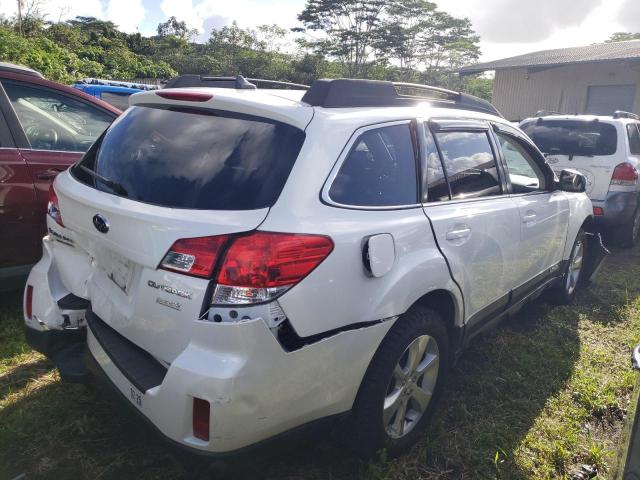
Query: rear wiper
[113, 185]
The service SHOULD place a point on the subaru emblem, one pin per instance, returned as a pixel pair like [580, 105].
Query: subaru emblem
[100, 223]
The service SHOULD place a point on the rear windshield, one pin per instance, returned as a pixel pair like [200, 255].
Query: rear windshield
[192, 159]
[572, 137]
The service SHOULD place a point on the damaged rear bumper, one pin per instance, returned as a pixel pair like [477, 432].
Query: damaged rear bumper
[256, 389]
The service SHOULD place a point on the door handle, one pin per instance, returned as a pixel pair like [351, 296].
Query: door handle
[529, 217]
[458, 232]
[48, 174]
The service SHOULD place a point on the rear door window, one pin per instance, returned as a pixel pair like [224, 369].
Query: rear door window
[197, 159]
[469, 163]
[633, 133]
[379, 171]
[573, 137]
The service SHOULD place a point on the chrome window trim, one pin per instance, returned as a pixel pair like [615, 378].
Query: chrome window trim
[343, 156]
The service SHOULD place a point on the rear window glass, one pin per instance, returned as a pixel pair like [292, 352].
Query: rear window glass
[193, 159]
[573, 137]
[118, 100]
[634, 138]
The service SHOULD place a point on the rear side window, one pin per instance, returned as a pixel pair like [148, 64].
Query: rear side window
[379, 171]
[573, 137]
[193, 159]
[634, 138]
[469, 163]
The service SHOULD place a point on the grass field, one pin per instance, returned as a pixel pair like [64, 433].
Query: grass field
[540, 396]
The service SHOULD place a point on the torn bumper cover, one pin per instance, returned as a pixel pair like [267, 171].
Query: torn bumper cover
[255, 389]
[596, 254]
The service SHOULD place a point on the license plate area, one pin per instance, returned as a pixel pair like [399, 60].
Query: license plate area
[118, 269]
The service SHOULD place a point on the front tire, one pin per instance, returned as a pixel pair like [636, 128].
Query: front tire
[565, 291]
[402, 385]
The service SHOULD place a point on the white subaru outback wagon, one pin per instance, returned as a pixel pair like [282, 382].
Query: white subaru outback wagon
[241, 262]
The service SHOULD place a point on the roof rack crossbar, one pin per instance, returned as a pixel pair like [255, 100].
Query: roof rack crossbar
[452, 94]
[220, 81]
[351, 93]
[623, 114]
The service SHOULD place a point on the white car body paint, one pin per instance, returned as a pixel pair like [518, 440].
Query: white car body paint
[257, 389]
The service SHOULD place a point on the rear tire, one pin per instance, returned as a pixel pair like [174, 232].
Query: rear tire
[565, 291]
[402, 385]
[628, 234]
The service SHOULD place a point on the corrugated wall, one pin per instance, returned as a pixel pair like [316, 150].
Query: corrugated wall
[519, 93]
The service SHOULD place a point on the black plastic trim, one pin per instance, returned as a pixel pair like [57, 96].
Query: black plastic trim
[102, 379]
[73, 302]
[136, 364]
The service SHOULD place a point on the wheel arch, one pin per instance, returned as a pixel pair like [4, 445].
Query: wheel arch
[450, 309]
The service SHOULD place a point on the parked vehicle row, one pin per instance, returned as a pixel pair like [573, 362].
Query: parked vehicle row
[606, 150]
[242, 262]
[44, 128]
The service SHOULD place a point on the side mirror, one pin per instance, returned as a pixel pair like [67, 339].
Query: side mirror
[572, 181]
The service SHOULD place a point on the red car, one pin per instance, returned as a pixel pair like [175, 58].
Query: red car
[44, 128]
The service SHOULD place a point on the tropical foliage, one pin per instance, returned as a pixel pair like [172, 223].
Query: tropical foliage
[406, 40]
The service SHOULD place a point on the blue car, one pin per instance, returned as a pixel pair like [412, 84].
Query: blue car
[111, 91]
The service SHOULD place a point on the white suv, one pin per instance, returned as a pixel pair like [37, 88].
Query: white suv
[606, 149]
[244, 262]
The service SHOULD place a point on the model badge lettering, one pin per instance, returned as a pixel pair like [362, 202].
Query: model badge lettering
[168, 303]
[168, 289]
[60, 238]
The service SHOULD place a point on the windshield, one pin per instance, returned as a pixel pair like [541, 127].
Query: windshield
[572, 137]
[193, 159]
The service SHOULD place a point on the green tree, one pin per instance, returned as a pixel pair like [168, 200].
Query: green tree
[623, 36]
[176, 28]
[403, 31]
[350, 29]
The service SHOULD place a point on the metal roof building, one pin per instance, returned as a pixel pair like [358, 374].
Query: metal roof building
[595, 79]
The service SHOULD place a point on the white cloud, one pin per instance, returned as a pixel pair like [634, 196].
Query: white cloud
[184, 11]
[629, 15]
[250, 13]
[127, 14]
[555, 23]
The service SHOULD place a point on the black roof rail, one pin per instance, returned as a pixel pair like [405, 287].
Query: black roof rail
[346, 92]
[13, 68]
[237, 82]
[623, 114]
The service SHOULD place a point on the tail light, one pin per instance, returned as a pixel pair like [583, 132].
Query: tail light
[624, 174]
[53, 208]
[598, 211]
[253, 268]
[28, 302]
[194, 256]
[263, 265]
[201, 409]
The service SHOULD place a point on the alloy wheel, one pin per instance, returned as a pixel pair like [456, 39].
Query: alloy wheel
[575, 267]
[411, 386]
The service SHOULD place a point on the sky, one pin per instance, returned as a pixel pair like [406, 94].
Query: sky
[506, 27]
